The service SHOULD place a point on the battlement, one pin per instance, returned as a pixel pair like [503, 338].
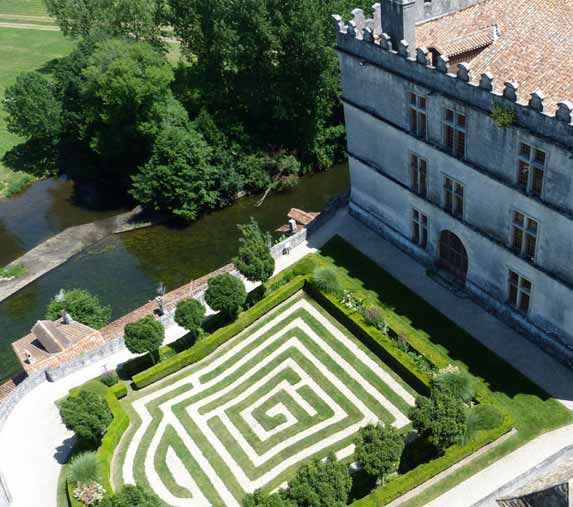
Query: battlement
[364, 39]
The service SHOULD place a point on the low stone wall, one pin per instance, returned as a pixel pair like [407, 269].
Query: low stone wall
[17, 392]
[5, 497]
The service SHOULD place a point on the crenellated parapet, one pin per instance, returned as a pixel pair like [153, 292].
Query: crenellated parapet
[362, 37]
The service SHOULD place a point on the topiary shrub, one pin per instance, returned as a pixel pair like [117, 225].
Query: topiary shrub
[459, 383]
[109, 378]
[144, 335]
[189, 315]
[326, 279]
[226, 293]
[84, 468]
[87, 415]
[441, 419]
[374, 315]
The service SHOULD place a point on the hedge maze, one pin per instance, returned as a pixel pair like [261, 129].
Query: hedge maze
[291, 387]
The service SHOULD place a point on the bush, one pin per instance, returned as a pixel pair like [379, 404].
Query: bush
[109, 378]
[458, 383]
[144, 335]
[326, 279]
[87, 415]
[189, 315]
[85, 468]
[379, 449]
[503, 116]
[133, 496]
[119, 390]
[481, 418]
[226, 293]
[441, 419]
[81, 305]
[374, 315]
[14, 271]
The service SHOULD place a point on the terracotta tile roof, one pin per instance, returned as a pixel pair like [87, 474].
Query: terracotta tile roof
[471, 42]
[534, 48]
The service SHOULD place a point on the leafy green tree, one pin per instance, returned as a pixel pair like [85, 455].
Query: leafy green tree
[261, 499]
[320, 484]
[141, 19]
[34, 109]
[178, 179]
[124, 85]
[144, 335]
[81, 305]
[189, 314]
[379, 449]
[254, 260]
[441, 418]
[226, 293]
[133, 496]
[87, 415]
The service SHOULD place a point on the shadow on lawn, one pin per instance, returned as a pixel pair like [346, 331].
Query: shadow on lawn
[457, 343]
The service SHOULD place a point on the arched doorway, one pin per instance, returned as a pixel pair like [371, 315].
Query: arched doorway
[453, 256]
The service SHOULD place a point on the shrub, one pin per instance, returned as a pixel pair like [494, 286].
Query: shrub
[144, 335]
[119, 390]
[254, 260]
[503, 116]
[89, 493]
[374, 315]
[109, 378]
[133, 496]
[14, 271]
[326, 279]
[262, 499]
[84, 468]
[227, 294]
[87, 415]
[379, 449]
[458, 383]
[482, 417]
[441, 419]
[81, 305]
[189, 315]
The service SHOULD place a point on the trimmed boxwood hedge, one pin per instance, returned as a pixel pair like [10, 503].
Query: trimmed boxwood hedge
[119, 390]
[210, 343]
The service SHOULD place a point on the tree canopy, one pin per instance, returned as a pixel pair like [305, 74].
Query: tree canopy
[254, 260]
[133, 496]
[189, 314]
[81, 305]
[379, 449]
[87, 415]
[144, 335]
[226, 293]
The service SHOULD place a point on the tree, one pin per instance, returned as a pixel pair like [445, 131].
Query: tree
[189, 314]
[178, 179]
[261, 499]
[379, 449]
[124, 84]
[226, 293]
[144, 335]
[33, 108]
[320, 484]
[254, 260]
[87, 415]
[441, 418]
[133, 496]
[81, 305]
[141, 19]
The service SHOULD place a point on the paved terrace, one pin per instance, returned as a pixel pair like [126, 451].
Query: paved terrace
[34, 441]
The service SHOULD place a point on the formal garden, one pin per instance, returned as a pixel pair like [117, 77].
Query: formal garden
[334, 359]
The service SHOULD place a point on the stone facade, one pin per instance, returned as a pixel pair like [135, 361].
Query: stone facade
[379, 76]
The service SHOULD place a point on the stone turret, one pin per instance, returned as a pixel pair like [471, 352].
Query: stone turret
[399, 22]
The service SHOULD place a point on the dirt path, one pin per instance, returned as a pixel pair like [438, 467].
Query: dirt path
[27, 18]
[26, 26]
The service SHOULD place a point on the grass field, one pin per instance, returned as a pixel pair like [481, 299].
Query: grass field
[293, 387]
[22, 50]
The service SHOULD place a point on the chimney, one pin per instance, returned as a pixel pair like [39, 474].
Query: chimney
[66, 318]
[399, 22]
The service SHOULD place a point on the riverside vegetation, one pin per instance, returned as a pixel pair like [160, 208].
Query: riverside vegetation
[185, 138]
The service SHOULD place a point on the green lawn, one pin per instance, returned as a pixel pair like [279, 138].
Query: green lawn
[22, 50]
[23, 7]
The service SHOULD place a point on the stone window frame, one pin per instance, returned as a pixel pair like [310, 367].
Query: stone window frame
[525, 231]
[520, 290]
[419, 226]
[457, 129]
[534, 147]
[416, 108]
[444, 201]
[415, 182]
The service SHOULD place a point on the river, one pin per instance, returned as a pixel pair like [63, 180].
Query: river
[125, 270]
